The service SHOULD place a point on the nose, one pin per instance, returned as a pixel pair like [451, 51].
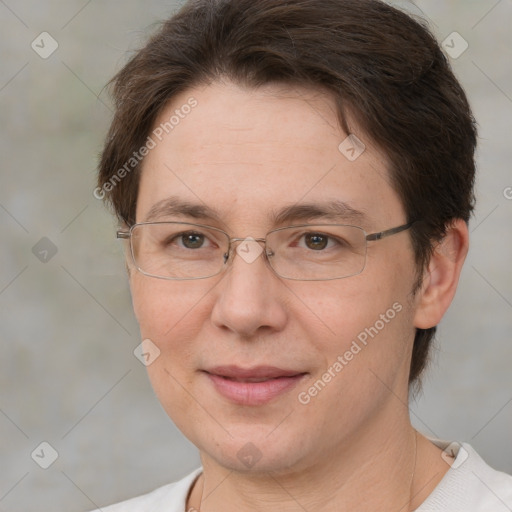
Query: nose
[249, 297]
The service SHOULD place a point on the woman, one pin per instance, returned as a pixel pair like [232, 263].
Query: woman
[294, 182]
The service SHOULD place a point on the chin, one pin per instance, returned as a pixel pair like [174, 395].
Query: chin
[250, 448]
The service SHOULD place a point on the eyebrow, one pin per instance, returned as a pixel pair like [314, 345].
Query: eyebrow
[335, 210]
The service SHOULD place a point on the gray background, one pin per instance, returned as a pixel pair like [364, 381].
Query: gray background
[68, 375]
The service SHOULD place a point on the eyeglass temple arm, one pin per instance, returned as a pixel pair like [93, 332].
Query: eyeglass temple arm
[123, 234]
[389, 232]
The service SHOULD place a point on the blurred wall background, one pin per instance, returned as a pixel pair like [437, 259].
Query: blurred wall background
[68, 376]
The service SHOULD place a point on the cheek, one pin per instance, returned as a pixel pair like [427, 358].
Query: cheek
[150, 305]
[366, 320]
[368, 344]
[171, 315]
[163, 310]
[340, 309]
[162, 307]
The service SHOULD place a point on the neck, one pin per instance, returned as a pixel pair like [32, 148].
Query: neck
[393, 471]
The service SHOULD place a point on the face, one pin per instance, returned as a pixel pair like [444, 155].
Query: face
[254, 367]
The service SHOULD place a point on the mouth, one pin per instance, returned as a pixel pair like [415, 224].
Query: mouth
[252, 386]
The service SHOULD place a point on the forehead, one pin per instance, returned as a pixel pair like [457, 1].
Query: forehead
[241, 150]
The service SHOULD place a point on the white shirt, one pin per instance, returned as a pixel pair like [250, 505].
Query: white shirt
[470, 485]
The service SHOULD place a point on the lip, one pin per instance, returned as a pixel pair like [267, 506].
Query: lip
[252, 386]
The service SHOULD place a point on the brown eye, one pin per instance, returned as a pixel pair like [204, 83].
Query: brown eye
[192, 240]
[316, 241]
[187, 240]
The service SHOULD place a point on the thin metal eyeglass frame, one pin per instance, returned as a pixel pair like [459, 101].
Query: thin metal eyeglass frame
[372, 237]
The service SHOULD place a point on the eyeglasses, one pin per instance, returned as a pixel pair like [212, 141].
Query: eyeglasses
[306, 252]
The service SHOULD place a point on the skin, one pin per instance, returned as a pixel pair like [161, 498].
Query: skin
[246, 152]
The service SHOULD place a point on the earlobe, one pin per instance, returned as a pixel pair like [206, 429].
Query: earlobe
[442, 276]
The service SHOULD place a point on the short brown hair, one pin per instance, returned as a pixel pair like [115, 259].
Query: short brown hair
[375, 60]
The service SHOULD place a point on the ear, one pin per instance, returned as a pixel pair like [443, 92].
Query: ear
[441, 277]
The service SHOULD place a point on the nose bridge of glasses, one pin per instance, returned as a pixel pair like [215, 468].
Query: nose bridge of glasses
[247, 239]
